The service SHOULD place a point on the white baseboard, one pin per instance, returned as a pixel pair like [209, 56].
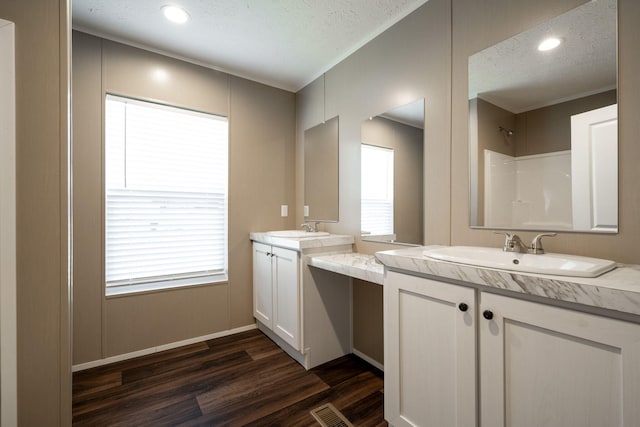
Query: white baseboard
[147, 351]
[368, 359]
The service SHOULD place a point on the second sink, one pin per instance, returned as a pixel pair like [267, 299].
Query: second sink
[549, 263]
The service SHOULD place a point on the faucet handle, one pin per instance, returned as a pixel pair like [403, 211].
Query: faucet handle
[536, 243]
[507, 237]
[513, 243]
[310, 227]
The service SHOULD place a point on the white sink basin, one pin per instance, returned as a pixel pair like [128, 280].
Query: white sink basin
[557, 264]
[297, 234]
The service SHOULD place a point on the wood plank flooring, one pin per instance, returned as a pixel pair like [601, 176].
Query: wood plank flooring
[239, 380]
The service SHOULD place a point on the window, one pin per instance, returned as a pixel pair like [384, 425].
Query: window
[166, 173]
[376, 190]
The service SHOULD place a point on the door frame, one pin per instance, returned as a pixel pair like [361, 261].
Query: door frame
[8, 319]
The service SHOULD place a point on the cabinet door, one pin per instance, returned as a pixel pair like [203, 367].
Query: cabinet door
[543, 366]
[262, 287]
[286, 311]
[430, 357]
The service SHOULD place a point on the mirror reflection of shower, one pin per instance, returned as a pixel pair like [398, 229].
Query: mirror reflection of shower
[534, 185]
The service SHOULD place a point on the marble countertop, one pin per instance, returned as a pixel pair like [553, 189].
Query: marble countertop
[360, 266]
[618, 289]
[300, 243]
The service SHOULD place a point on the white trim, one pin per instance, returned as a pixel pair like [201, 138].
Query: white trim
[8, 316]
[164, 285]
[163, 347]
[367, 359]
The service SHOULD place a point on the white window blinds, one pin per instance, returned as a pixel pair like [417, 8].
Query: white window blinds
[376, 190]
[166, 193]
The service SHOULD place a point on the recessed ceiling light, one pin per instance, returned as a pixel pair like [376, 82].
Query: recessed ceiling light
[548, 44]
[175, 14]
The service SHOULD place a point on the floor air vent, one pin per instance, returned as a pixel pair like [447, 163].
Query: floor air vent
[328, 416]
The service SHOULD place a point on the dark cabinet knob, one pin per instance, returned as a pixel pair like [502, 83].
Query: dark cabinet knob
[487, 314]
[463, 307]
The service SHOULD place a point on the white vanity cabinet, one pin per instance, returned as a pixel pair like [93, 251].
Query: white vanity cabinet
[430, 354]
[276, 291]
[545, 366]
[538, 365]
[304, 310]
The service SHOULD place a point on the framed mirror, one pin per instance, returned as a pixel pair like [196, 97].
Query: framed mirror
[321, 172]
[543, 126]
[391, 177]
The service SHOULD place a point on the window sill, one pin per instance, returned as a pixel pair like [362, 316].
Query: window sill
[165, 285]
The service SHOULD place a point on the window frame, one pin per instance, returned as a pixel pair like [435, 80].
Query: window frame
[163, 282]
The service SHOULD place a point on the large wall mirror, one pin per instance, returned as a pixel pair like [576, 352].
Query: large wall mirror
[543, 136]
[321, 172]
[392, 176]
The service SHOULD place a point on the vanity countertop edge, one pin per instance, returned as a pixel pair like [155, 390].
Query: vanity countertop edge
[361, 266]
[618, 289]
[299, 243]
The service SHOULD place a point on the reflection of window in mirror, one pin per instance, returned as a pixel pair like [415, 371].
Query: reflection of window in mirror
[376, 190]
[400, 130]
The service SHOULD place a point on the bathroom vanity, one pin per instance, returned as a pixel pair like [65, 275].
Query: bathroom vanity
[306, 312]
[469, 346]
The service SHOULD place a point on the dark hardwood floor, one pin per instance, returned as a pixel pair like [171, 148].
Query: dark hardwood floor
[239, 380]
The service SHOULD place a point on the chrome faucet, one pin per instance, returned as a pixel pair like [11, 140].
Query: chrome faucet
[536, 243]
[310, 227]
[513, 243]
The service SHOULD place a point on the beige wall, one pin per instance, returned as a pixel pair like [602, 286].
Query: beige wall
[542, 130]
[548, 129]
[409, 61]
[407, 143]
[261, 150]
[489, 119]
[44, 379]
[366, 317]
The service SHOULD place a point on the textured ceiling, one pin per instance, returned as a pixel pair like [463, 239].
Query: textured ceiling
[283, 43]
[514, 75]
